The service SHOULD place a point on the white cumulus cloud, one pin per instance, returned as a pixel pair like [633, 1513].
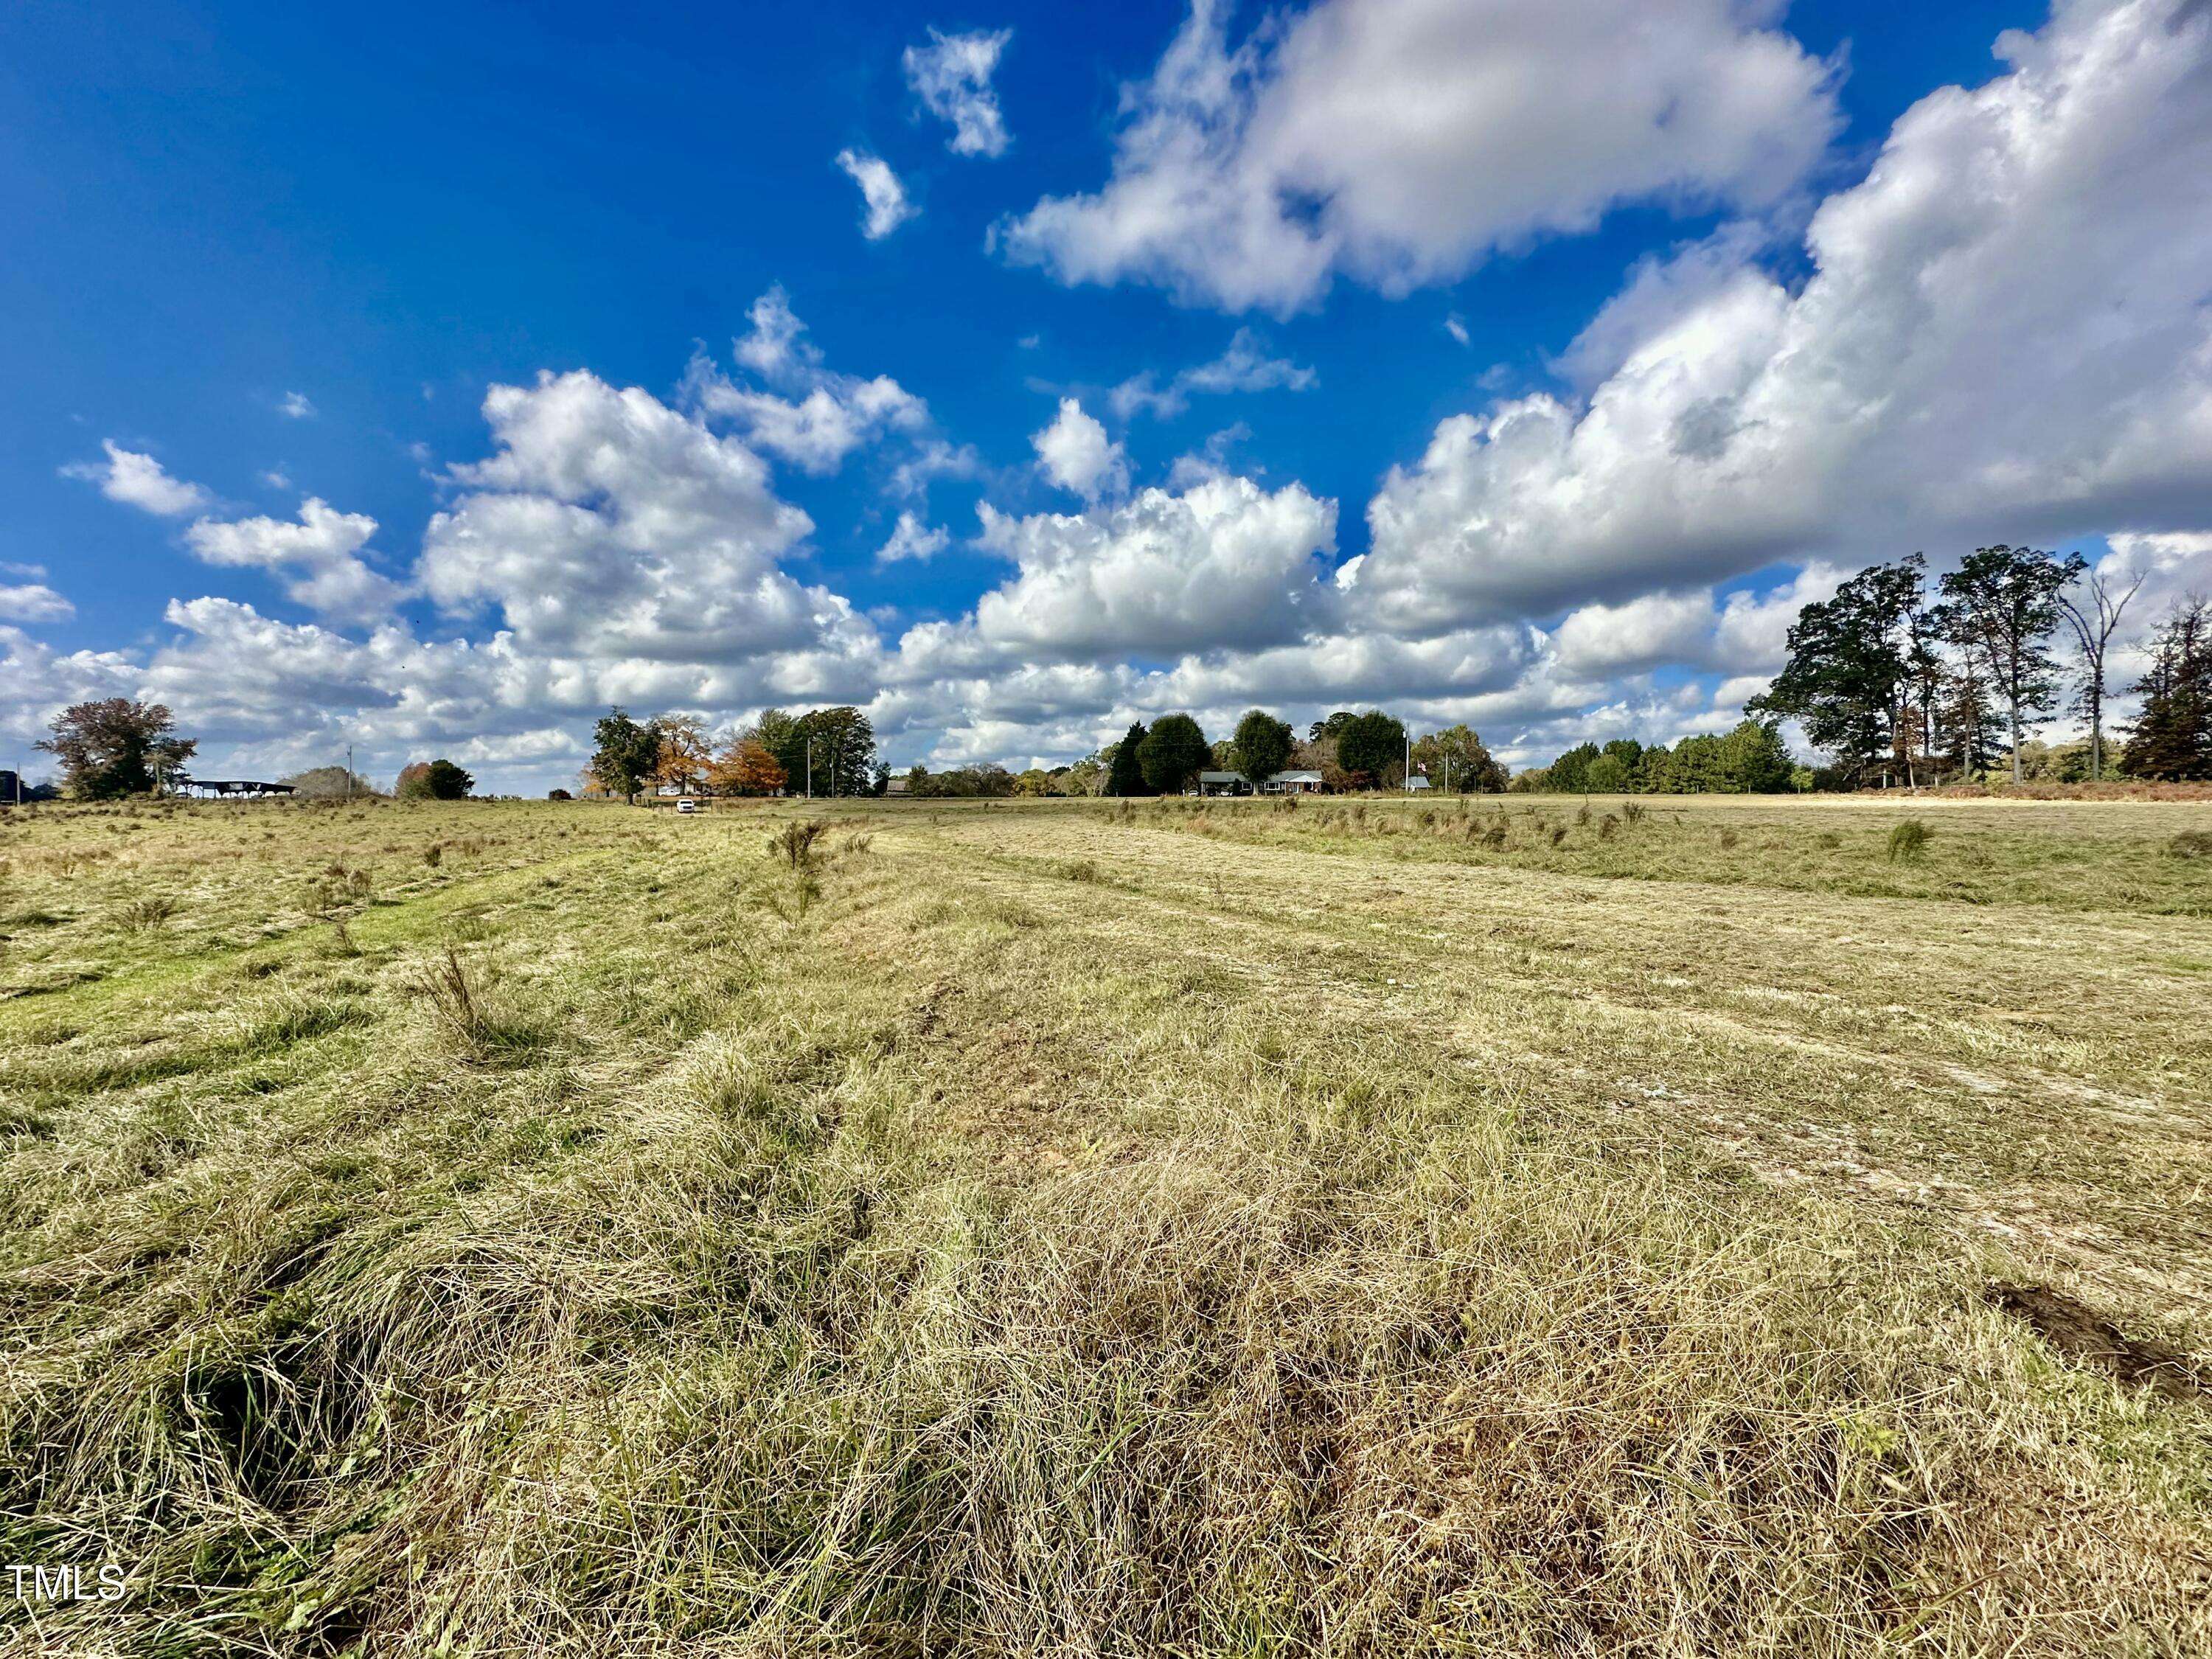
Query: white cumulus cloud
[1400, 140]
[910, 539]
[1221, 566]
[606, 523]
[1075, 454]
[952, 76]
[318, 556]
[138, 480]
[1939, 379]
[34, 602]
[882, 195]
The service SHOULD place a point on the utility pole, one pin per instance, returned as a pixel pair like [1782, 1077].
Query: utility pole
[810, 766]
[349, 773]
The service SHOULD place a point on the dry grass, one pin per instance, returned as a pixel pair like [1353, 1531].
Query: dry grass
[1106, 1231]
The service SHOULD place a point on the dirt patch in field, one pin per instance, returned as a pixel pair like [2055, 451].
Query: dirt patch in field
[2076, 1330]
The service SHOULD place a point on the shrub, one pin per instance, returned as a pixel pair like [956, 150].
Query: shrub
[1909, 841]
[795, 844]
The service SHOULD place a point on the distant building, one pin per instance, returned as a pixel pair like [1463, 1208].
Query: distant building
[254, 786]
[899, 786]
[1417, 783]
[1280, 783]
[11, 784]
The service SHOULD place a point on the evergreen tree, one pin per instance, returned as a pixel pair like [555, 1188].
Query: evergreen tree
[1569, 774]
[1126, 775]
[2000, 604]
[2172, 737]
[1173, 753]
[1262, 746]
[1849, 674]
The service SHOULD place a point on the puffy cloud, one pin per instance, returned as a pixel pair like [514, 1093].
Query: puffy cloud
[818, 431]
[36, 681]
[1753, 630]
[1245, 366]
[1891, 400]
[1653, 628]
[833, 414]
[881, 193]
[1401, 140]
[319, 555]
[772, 346]
[952, 76]
[1748, 631]
[139, 481]
[1552, 567]
[1224, 565]
[912, 539]
[1075, 454]
[607, 524]
[296, 406]
[33, 602]
[930, 458]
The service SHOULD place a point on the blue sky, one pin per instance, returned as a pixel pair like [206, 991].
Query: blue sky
[1497, 360]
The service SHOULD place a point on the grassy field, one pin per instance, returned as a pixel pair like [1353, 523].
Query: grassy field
[1504, 1227]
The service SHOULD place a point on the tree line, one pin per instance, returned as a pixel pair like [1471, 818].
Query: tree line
[1751, 760]
[825, 752]
[1898, 681]
[1893, 679]
[1348, 751]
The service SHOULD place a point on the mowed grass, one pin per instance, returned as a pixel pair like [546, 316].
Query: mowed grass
[1063, 1228]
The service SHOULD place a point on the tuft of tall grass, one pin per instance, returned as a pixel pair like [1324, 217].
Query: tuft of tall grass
[1908, 842]
[142, 915]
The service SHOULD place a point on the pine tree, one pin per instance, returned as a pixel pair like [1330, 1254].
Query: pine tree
[1851, 673]
[2172, 737]
[1126, 776]
[2001, 604]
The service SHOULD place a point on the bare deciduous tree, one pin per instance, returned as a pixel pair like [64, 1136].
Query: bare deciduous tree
[2094, 617]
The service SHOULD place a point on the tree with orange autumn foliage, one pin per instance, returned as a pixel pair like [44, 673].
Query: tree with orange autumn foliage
[745, 768]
